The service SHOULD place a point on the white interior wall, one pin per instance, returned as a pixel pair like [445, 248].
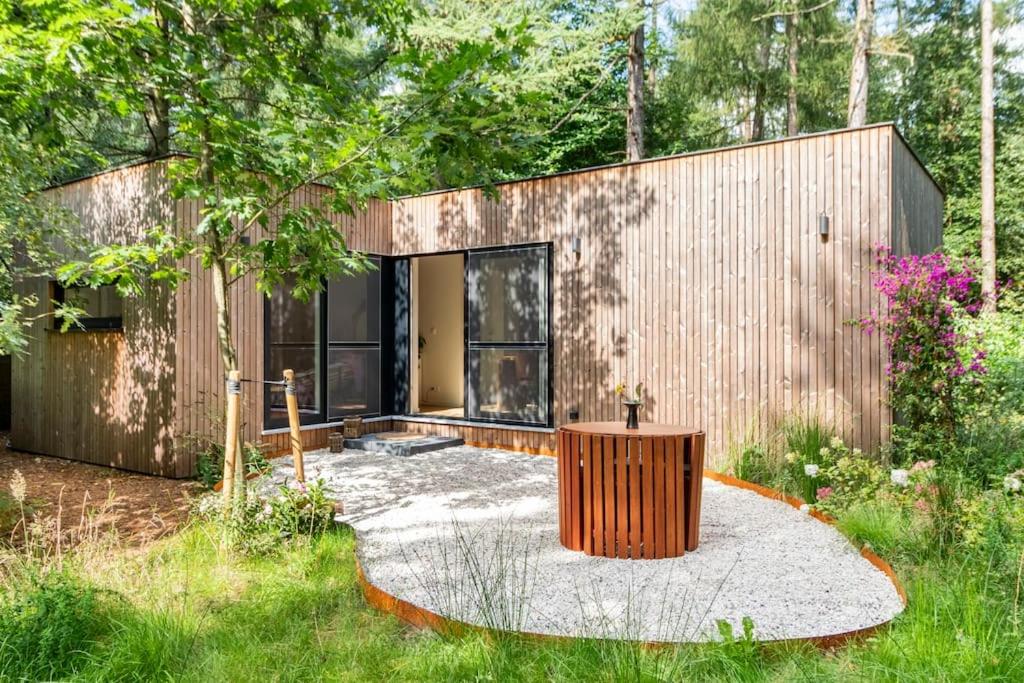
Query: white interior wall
[439, 319]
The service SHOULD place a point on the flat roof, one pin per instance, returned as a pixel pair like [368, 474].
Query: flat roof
[681, 155]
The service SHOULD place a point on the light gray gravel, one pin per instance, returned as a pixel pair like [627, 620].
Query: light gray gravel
[472, 534]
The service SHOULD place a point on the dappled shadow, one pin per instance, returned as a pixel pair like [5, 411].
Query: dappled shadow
[106, 397]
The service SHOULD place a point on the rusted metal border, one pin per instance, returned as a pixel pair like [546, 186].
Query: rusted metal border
[420, 617]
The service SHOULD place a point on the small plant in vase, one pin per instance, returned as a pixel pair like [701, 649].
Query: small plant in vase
[632, 402]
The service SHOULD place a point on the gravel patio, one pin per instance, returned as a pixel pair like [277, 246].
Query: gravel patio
[472, 534]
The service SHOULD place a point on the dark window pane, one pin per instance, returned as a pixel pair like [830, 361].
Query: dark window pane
[508, 295]
[353, 382]
[102, 305]
[509, 384]
[353, 313]
[293, 332]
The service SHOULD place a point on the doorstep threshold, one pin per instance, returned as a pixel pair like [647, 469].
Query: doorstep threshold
[455, 422]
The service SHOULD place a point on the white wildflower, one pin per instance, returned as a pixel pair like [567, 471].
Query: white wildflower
[18, 486]
[1011, 484]
[805, 508]
[900, 477]
[836, 443]
[811, 470]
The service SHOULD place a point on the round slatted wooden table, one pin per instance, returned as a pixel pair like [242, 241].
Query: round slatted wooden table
[629, 493]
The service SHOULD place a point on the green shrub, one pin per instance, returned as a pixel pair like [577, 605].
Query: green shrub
[47, 626]
[210, 462]
[258, 526]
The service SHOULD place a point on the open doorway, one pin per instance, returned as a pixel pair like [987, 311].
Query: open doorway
[438, 332]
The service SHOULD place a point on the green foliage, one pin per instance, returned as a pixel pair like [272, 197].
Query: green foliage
[259, 524]
[210, 462]
[48, 623]
[991, 438]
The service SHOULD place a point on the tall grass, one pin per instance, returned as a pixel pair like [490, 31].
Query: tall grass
[183, 610]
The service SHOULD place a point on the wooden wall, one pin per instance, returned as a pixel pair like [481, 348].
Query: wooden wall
[704, 276]
[104, 397]
[199, 373]
[917, 204]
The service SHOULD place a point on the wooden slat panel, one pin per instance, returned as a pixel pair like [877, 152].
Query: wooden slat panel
[621, 497]
[647, 496]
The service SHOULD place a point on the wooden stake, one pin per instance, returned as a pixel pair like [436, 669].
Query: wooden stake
[234, 392]
[293, 423]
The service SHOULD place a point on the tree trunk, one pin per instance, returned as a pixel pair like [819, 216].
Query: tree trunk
[988, 157]
[635, 96]
[652, 42]
[218, 269]
[857, 111]
[158, 111]
[793, 58]
[158, 117]
[757, 131]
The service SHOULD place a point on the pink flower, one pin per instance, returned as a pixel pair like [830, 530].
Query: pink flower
[922, 465]
[824, 492]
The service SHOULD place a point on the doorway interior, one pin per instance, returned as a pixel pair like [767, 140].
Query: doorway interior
[437, 323]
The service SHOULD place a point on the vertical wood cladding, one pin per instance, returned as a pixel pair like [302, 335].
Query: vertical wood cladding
[701, 275]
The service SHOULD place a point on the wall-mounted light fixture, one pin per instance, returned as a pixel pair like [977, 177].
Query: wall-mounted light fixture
[823, 226]
[576, 244]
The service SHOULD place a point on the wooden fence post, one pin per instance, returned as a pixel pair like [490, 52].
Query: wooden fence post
[293, 424]
[234, 391]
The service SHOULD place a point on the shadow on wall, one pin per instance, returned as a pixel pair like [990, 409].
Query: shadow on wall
[595, 344]
[106, 397]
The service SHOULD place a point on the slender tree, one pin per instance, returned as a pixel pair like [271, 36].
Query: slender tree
[857, 109]
[793, 69]
[635, 95]
[988, 156]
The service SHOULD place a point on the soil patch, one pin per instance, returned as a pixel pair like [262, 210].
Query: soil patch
[139, 507]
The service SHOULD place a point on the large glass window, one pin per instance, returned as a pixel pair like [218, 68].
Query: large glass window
[508, 335]
[293, 339]
[353, 344]
[338, 330]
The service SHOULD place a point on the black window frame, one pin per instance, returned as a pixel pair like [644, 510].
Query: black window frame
[547, 345]
[384, 345]
[88, 323]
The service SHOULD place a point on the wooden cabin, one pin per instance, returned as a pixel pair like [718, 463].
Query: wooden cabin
[724, 280]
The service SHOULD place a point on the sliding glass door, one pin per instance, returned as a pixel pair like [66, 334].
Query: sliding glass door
[508, 325]
[333, 343]
[353, 345]
[292, 333]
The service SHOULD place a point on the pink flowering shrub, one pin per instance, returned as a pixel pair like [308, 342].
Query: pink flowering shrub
[934, 366]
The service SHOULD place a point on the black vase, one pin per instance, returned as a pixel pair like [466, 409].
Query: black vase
[633, 414]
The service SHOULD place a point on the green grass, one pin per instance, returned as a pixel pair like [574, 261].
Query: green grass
[182, 610]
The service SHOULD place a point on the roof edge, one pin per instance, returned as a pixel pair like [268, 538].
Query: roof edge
[683, 155]
[115, 169]
[588, 169]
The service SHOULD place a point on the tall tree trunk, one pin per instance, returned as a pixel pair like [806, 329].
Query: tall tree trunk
[757, 130]
[219, 282]
[988, 160]
[793, 63]
[158, 111]
[857, 111]
[635, 96]
[158, 121]
[653, 41]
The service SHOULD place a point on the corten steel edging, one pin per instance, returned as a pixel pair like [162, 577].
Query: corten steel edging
[421, 617]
